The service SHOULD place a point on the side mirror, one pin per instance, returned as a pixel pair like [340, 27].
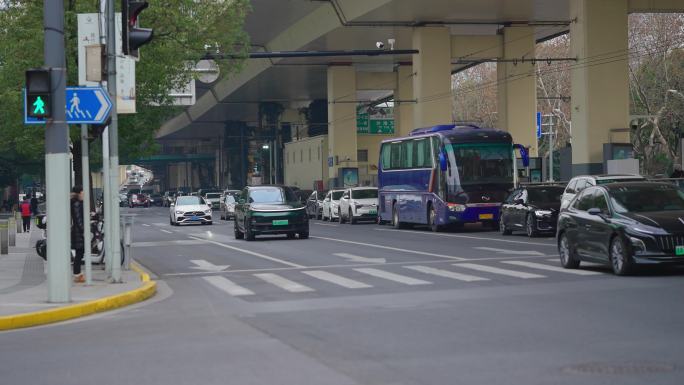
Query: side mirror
[594, 211]
[442, 161]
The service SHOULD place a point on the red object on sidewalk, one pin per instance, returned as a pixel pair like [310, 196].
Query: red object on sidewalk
[25, 209]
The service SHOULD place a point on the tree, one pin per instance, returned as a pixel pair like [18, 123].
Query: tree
[184, 30]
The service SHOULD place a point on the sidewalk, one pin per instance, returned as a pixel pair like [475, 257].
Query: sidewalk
[23, 289]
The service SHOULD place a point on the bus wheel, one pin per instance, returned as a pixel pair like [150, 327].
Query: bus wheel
[432, 220]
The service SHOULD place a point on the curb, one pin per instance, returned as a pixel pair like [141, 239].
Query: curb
[44, 317]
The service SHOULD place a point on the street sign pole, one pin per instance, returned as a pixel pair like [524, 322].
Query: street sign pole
[113, 145]
[85, 166]
[106, 198]
[57, 159]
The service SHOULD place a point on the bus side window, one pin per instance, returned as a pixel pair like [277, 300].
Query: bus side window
[386, 157]
[395, 156]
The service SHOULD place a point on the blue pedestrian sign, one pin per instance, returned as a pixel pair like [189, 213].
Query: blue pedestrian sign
[84, 105]
[539, 125]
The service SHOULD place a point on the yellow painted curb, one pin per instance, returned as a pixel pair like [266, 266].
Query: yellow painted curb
[43, 317]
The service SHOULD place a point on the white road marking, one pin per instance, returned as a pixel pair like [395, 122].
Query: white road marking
[146, 225]
[228, 286]
[180, 242]
[207, 266]
[471, 237]
[358, 259]
[509, 252]
[392, 248]
[262, 256]
[393, 277]
[160, 224]
[336, 279]
[496, 270]
[326, 224]
[446, 273]
[166, 231]
[552, 259]
[284, 283]
[542, 266]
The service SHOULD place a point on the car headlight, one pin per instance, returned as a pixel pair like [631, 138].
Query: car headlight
[207, 211]
[637, 244]
[456, 207]
[541, 213]
[179, 212]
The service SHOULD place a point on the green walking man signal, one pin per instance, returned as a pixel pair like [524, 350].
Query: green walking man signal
[38, 93]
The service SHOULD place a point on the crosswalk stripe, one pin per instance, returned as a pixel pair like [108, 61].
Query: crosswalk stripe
[496, 270]
[336, 279]
[160, 224]
[542, 266]
[446, 273]
[228, 286]
[284, 283]
[392, 277]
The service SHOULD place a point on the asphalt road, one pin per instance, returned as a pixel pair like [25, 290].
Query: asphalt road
[364, 304]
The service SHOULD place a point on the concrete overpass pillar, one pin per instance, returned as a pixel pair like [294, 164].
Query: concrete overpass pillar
[517, 88]
[432, 79]
[600, 84]
[403, 110]
[341, 117]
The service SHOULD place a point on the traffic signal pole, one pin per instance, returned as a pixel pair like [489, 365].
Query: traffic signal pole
[113, 215]
[57, 168]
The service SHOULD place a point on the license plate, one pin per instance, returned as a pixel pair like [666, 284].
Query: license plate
[486, 216]
[194, 218]
[372, 212]
[280, 222]
[679, 250]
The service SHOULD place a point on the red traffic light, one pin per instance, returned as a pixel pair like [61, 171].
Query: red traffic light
[133, 37]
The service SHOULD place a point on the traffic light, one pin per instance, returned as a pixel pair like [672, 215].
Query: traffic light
[133, 37]
[38, 93]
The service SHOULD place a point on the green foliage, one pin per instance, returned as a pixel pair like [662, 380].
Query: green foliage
[182, 30]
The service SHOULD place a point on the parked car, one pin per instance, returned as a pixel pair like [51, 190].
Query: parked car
[190, 210]
[314, 204]
[330, 205]
[156, 200]
[228, 206]
[213, 199]
[123, 200]
[532, 209]
[302, 195]
[270, 210]
[359, 203]
[623, 225]
[138, 200]
[579, 183]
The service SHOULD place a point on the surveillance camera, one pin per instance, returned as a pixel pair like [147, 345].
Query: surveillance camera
[380, 45]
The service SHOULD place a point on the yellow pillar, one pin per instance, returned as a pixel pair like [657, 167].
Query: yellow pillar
[403, 96]
[600, 83]
[432, 79]
[341, 118]
[517, 90]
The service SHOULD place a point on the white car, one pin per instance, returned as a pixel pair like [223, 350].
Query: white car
[579, 183]
[190, 210]
[213, 199]
[359, 203]
[330, 204]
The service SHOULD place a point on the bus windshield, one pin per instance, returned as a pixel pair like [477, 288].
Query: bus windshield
[482, 162]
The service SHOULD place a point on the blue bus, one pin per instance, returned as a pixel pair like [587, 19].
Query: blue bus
[445, 175]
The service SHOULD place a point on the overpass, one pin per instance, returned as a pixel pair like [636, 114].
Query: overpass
[443, 36]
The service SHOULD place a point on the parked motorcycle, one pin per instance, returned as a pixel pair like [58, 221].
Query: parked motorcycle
[97, 250]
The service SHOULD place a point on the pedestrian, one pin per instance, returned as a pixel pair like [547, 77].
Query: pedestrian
[677, 173]
[34, 204]
[25, 208]
[77, 241]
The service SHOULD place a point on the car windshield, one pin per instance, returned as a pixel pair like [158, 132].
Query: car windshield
[364, 194]
[189, 200]
[545, 195]
[660, 198]
[213, 195]
[271, 195]
[482, 162]
[336, 195]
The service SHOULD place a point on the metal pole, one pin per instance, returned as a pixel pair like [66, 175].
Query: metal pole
[85, 166]
[551, 148]
[113, 144]
[106, 198]
[270, 162]
[57, 158]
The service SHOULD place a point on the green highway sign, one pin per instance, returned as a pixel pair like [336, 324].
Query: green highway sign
[379, 121]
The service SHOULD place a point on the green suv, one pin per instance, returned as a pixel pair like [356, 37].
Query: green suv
[265, 210]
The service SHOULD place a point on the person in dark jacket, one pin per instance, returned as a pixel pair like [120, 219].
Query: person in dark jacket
[34, 204]
[25, 208]
[77, 226]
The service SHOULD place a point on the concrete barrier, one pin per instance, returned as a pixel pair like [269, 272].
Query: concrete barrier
[18, 222]
[12, 231]
[4, 236]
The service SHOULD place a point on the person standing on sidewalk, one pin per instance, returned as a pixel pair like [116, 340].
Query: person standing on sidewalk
[25, 208]
[77, 241]
[34, 204]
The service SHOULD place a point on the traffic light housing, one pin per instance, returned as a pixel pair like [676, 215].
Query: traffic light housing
[133, 37]
[38, 93]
